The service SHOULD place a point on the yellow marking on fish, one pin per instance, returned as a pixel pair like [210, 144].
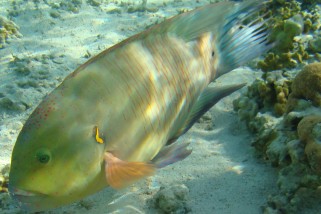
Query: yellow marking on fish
[98, 138]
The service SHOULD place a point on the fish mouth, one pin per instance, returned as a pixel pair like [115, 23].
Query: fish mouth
[20, 192]
[26, 199]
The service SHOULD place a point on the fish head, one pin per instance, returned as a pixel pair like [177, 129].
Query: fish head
[55, 160]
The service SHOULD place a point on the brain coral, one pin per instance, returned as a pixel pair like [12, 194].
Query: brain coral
[309, 131]
[307, 84]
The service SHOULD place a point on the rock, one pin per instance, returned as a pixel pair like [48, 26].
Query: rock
[172, 199]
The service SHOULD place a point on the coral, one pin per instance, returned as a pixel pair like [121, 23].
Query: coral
[279, 84]
[270, 92]
[263, 128]
[285, 31]
[314, 45]
[306, 126]
[8, 29]
[309, 131]
[298, 185]
[279, 149]
[246, 108]
[68, 5]
[4, 178]
[277, 140]
[292, 143]
[307, 84]
[285, 9]
[295, 151]
[300, 109]
[311, 17]
[277, 152]
[6, 202]
[277, 61]
[94, 3]
[282, 10]
[310, 2]
[287, 23]
[172, 199]
[142, 8]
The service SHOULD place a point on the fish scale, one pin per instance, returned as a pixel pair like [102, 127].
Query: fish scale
[173, 72]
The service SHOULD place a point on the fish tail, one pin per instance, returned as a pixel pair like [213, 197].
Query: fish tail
[237, 43]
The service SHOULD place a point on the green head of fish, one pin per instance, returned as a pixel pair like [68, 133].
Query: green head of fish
[55, 160]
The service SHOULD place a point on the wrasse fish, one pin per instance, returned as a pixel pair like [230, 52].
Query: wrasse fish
[115, 119]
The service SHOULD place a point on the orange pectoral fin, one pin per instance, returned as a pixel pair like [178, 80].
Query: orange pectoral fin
[121, 173]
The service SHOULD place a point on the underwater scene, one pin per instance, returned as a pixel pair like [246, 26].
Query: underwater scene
[160, 106]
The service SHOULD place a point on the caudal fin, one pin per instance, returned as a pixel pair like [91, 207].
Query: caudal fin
[238, 43]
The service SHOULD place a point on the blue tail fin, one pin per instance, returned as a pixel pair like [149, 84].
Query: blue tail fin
[238, 43]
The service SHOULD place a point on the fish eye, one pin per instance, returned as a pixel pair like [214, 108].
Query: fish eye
[43, 156]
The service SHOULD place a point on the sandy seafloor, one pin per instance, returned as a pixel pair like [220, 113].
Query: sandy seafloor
[223, 174]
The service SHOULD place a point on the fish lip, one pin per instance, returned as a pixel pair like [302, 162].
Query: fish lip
[16, 191]
[23, 195]
[25, 198]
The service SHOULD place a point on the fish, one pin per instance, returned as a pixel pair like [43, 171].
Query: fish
[116, 118]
